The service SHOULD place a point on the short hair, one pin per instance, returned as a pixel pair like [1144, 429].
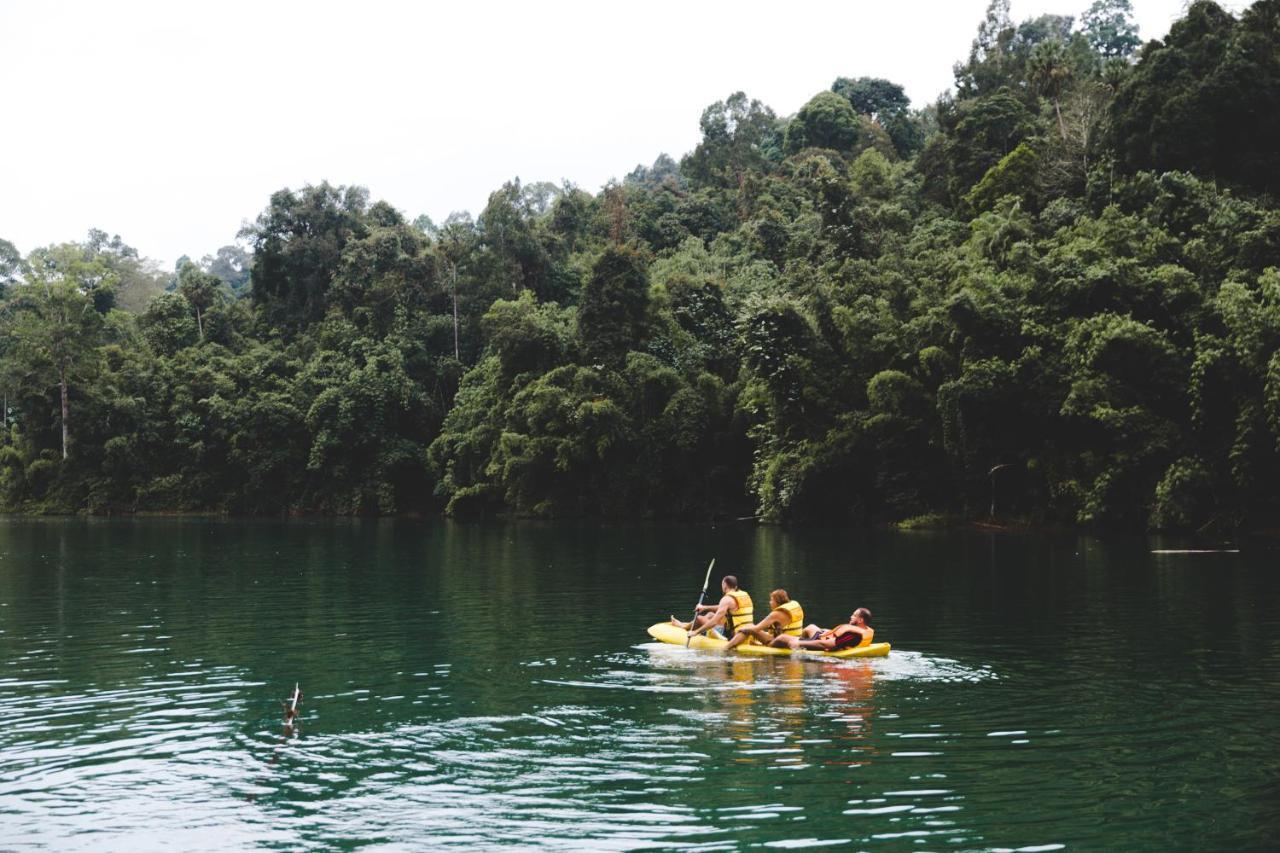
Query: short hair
[864, 613]
[731, 581]
[780, 595]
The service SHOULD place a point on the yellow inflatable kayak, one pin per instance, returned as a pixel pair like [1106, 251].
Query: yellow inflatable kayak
[667, 633]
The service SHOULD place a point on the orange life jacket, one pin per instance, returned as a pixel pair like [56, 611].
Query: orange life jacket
[836, 632]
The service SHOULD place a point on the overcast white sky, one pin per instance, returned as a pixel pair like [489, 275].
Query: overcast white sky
[170, 123]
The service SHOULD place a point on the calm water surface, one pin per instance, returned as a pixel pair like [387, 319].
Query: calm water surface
[492, 685]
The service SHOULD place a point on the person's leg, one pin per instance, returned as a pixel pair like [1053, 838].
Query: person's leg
[698, 622]
[747, 631]
[785, 641]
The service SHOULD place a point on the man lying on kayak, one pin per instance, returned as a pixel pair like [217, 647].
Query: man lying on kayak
[856, 632]
[785, 617]
[733, 611]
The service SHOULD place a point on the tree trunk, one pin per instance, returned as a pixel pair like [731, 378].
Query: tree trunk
[456, 356]
[199, 323]
[63, 386]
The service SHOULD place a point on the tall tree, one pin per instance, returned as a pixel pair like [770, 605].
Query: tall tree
[10, 266]
[232, 264]
[297, 243]
[826, 121]
[1110, 29]
[873, 96]
[737, 134]
[1050, 73]
[886, 103]
[611, 315]
[200, 289]
[53, 333]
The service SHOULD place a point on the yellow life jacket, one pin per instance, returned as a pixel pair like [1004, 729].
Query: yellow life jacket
[867, 637]
[743, 615]
[794, 616]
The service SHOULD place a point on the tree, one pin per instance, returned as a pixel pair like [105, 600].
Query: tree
[887, 104]
[736, 136]
[133, 280]
[200, 289]
[166, 324]
[53, 334]
[297, 243]
[983, 72]
[80, 266]
[507, 226]
[10, 266]
[1207, 100]
[983, 132]
[826, 121]
[873, 96]
[1050, 73]
[611, 314]
[232, 265]
[1109, 27]
[1017, 174]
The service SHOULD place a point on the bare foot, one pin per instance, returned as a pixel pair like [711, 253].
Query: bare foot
[679, 624]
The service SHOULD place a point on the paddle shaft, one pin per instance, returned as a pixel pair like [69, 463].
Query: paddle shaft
[701, 596]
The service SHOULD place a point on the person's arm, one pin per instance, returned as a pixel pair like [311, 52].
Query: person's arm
[714, 619]
[825, 640]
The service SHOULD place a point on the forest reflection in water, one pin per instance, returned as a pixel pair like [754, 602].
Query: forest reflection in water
[493, 685]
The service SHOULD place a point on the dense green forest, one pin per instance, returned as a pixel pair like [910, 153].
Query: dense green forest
[1053, 295]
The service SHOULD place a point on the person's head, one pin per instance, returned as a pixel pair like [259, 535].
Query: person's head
[728, 583]
[778, 597]
[861, 616]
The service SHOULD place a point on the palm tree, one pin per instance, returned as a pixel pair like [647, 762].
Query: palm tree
[1049, 73]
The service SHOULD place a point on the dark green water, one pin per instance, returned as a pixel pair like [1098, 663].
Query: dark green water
[492, 685]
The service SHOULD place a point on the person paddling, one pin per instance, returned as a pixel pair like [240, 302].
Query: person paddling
[732, 611]
[786, 616]
[856, 632]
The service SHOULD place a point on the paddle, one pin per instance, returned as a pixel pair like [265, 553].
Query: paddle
[701, 597]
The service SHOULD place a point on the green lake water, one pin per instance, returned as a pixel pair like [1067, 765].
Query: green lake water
[492, 685]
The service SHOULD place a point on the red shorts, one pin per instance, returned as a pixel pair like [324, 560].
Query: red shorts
[844, 641]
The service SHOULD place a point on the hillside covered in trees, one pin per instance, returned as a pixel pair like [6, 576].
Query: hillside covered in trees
[1052, 295]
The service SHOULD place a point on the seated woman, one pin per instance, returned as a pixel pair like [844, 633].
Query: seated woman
[785, 617]
[856, 632]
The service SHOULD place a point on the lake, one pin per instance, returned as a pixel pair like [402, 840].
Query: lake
[484, 685]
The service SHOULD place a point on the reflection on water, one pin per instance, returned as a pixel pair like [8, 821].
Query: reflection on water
[463, 685]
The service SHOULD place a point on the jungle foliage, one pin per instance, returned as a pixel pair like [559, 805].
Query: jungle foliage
[1053, 295]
